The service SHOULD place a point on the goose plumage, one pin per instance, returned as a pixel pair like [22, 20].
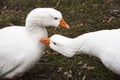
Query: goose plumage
[20, 48]
[103, 44]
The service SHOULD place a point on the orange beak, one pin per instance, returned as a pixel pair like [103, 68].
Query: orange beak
[45, 41]
[64, 24]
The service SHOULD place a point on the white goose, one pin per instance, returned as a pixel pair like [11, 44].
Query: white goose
[103, 44]
[20, 48]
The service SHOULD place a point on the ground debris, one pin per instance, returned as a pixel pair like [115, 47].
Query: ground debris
[68, 73]
[84, 66]
[60, 69]
[84, 77]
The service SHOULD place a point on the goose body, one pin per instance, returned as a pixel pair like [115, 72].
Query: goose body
[20, 48]
[104, 44]
[18, 52]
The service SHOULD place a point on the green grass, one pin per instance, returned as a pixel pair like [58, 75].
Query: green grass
[82, 16]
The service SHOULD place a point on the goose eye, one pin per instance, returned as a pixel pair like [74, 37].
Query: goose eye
[55, 18]
[54, 43]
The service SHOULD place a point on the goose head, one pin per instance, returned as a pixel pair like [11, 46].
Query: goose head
[61, 44]
[44, 17]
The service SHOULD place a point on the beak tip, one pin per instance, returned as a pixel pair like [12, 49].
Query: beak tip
[64, 24]
[41, 40]
[68, 27]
